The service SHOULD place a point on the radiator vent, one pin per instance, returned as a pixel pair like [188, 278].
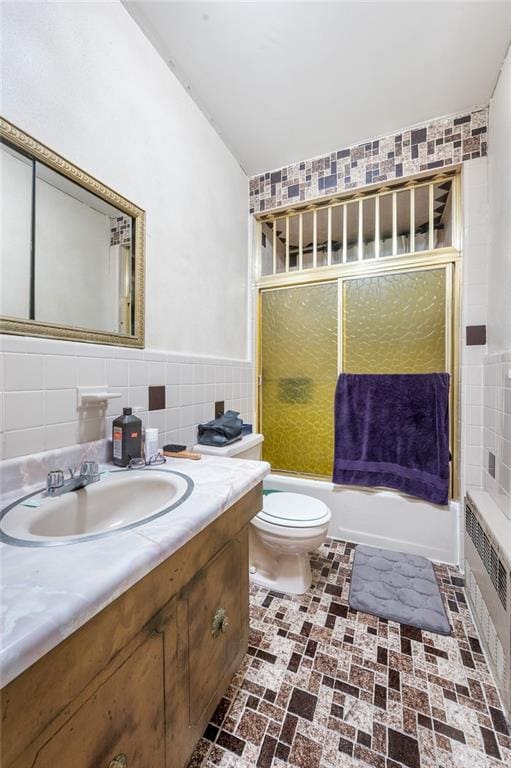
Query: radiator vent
[486, 626]
[491, 560]
[487, 572]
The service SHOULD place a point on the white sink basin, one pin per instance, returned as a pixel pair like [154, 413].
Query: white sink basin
[121, 500]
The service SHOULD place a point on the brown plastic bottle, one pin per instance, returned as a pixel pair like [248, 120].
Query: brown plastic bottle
[126, 438]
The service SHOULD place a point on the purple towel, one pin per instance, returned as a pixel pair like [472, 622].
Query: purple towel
[392, 430]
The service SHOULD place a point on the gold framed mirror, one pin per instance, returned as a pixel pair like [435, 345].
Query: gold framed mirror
[72, 250]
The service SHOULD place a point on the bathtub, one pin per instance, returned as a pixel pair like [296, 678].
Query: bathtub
[383, 518]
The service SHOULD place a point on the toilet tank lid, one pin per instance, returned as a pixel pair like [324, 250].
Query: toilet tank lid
[294, 510]
[234, 449]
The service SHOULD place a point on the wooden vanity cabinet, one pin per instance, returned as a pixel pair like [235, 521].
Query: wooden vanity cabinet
[214, 610]
[121, 723]
[136, 685]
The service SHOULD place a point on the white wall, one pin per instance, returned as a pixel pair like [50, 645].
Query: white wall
[83, 79]
[499, 156]
[476, 243]
[497, 367]
[497, 428]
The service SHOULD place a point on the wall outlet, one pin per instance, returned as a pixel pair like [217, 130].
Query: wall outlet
[219, 408]
[491, 463]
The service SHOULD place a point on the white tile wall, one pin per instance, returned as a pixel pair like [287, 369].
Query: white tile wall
[486, 387]
[497, 366]
[497, 428]
[476, 240]
[38, 398]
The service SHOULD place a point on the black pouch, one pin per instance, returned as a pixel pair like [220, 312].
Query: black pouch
[222, 431]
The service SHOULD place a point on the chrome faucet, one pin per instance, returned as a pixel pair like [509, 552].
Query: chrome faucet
[56, 485]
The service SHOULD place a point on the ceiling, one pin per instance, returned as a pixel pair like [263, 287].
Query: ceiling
[286, 81]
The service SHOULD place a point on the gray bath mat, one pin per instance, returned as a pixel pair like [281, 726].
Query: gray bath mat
[399, 587]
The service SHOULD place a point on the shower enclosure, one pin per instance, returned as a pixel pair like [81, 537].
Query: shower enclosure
[364, 285]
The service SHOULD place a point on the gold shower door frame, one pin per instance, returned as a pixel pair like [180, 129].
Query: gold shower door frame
[295, 426]
[451, 264]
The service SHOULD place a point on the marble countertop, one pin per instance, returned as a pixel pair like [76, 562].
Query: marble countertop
[49, 592]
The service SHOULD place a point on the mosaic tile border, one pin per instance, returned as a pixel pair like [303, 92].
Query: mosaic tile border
[434, 145]
[323, 686]
[120, 230]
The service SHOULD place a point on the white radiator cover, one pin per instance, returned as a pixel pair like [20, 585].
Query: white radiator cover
[487, 573]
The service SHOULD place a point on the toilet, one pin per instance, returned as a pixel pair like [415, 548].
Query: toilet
[289, 526]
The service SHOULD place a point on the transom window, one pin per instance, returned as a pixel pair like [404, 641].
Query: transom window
[418, 216]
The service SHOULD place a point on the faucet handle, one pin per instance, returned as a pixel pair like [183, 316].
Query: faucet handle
[91, 470]
[54, 480]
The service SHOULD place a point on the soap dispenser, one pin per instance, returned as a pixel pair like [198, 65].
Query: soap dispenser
[126, 438]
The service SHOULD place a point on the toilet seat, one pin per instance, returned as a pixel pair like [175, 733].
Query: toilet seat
[293, 510]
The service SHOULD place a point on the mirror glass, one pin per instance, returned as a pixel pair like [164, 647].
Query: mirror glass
[15, 235]
[67, 255]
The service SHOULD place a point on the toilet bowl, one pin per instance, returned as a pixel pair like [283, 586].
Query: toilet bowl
[289, 526]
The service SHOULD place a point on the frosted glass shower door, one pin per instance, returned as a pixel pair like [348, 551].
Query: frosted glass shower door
[397, 322]
[389, 322]
[401, 322]
[299, 349]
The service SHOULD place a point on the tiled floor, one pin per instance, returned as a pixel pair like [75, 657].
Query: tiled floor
[323, 686]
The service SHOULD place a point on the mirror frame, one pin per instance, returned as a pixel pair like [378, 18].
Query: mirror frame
[14, 325]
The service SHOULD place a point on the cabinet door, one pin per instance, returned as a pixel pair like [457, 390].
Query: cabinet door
[214, 627]
[212, 620]
[122, 724]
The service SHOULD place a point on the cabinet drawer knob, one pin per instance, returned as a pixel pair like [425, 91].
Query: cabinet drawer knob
[220, 623]
[119, 761]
